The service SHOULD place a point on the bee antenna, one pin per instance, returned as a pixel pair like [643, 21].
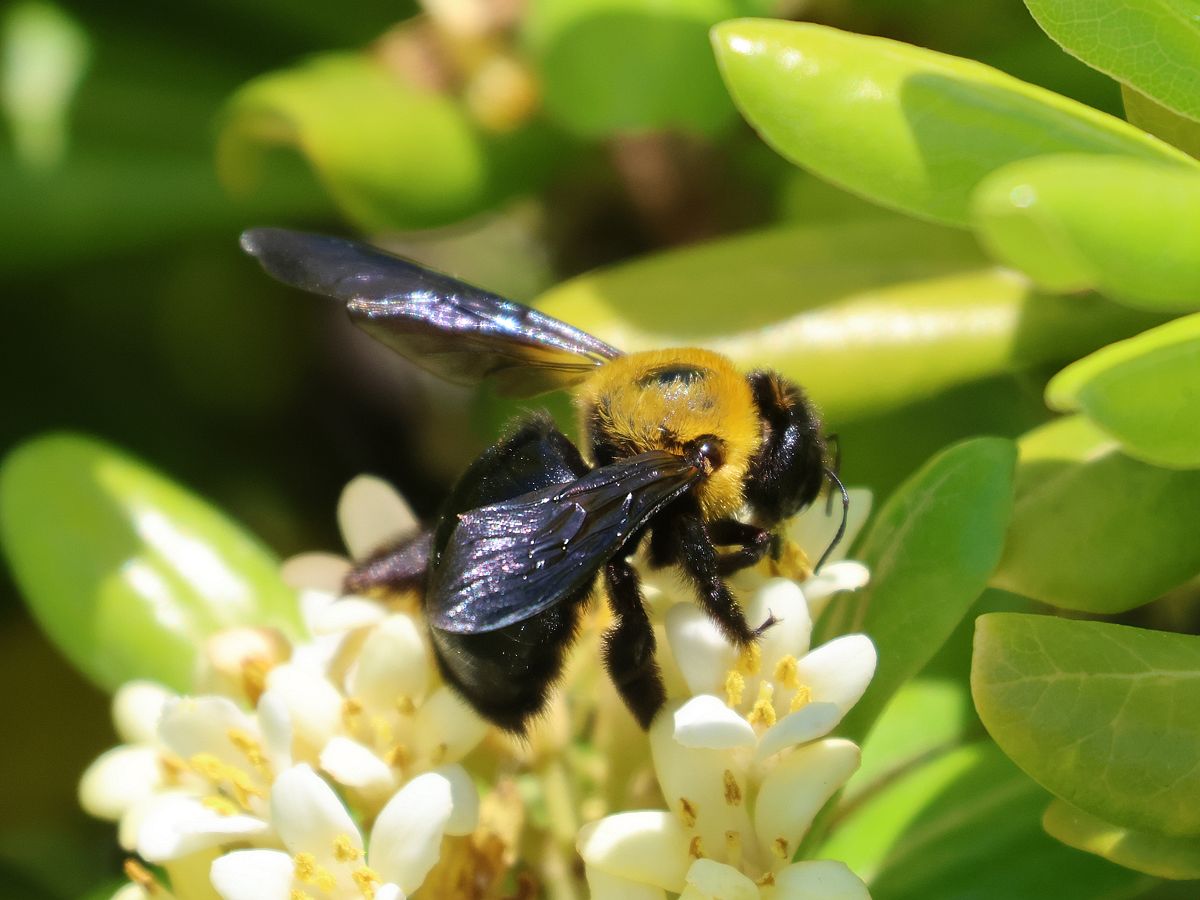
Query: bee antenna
[837, 466]
[841, 532]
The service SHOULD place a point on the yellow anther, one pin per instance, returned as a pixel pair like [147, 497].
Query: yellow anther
[344, 849]
[244, 787]
[750, 660]
[763, 712]
[251, 749]
[305, 867]
[696, 848]
[351, 710]
[173, 768]
[780, 847]
[438, 756]
[786, 672]
[254, 677]
[405, 705]
[803, 698]
[365, 879]
[295, 894]
[222, 806]
[325, 880]
[735, 687]
[398, 756]
[383, 732]
[208, 766]
[767, 880]
[733, 791]
[687, 812]
[141, 876]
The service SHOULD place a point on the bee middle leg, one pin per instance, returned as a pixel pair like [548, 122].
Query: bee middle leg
[696, 555]
[629, 645]
[754, 544]
[393, 568]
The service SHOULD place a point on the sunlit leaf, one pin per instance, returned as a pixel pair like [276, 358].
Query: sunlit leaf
[1178, 131]
[965, 823]
[1144, 391]
[1144, 851]
[1123, 227]
[867, 315]
[907, 127]
[124, 570]
[1093, 529]
[1153, 45]
[930, 550]
[391, 154]
[1101, 715]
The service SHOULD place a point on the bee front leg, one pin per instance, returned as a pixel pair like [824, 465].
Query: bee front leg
[754, 542]
[699, 560]
[629, 645]
[392, 569]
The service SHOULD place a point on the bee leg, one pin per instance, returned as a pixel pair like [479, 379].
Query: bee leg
[755, 542]
[394, 568]
[699, 560]
[629, 645]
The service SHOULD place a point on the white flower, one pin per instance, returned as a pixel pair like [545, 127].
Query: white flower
[324, 855]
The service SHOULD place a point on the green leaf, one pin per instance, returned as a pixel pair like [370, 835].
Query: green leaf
[965, 824]
[124, 570]
[1124, 227]
[1101, 715]
[1144, 851]
[1161, 122]
[930, 550]
[1143, 391]
[630, 65]
[907, 127]
[1153, 45]
[867, 315]
[1093, 529]
[391, 155]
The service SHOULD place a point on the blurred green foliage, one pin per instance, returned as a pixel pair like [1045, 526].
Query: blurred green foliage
[524, 145]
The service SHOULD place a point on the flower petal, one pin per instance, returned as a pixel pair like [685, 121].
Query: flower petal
[702, 654]
[356, 766]
[347, 614]
[193, 725]
[813, 529]
[793, 793]
[706, 789]
[805, 724]
[313, 703]
[407, 837]
[447, 729]
[389, 892]
[308, 815]
[835, 578]
[645, 846]
[371, 514]
[178, 825]
[136, 709]
[118, 779]
[705, 721]
[276, 724]
[316, 571]
[824, 878]
[714, 879]
[603, 886]
[839, 671]
[253, 875]
[393, 663]
[790, 636]
[464, 800]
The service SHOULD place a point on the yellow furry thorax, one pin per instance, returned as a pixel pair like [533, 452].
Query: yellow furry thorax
[662, 399]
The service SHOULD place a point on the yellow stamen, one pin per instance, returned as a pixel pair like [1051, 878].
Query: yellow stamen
[251, 749]
[733, 848]
[344, 849]
[763, 712]
[305, 867]
[786, 672]
[141, 876]
[222, 806]
[398, 756]
[295, 894]
[365, 879]
[735, 687]
[750, 660]
[208, 766]
[687, 812]
[351, 710]
[254, 677]
[405, 705]
[767, 880]
[803, 698]
[780, 847]
[381, 728]
[696, 848]
[733, 792]
[438, 756]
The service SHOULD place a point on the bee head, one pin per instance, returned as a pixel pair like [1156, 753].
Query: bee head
[788, 470]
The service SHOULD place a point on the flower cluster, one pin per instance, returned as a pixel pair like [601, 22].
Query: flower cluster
[332, 767]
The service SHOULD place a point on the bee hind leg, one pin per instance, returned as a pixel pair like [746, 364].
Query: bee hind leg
[629, 645]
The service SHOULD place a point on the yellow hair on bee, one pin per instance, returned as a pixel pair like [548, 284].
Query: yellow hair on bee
[661, 400]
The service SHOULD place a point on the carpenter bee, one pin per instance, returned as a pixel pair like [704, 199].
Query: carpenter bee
[678, 444]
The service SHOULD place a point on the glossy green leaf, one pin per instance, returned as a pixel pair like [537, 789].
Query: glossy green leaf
[1093, 529]
[1123, 227]
[965, 824]
[930, 550]
[907, 127]
[630, 65]
[1144, 391]
[1144, 851]
[392, 155]
[1153, 45]
[1101, 715]
[1176, 130]
[868, 315]
[124, 570]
